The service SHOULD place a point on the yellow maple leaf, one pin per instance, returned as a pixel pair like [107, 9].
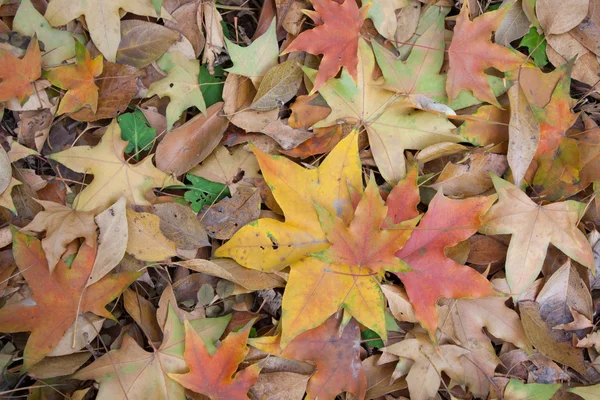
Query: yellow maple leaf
[113, 175]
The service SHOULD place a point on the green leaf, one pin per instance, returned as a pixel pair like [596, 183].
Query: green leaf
[211, 86]
[534, 391]
[204, 192]
[157, 5]
[372, 339]
[135, 129]
[536, 45]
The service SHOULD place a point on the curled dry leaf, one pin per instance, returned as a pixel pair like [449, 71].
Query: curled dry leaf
[230, 270]
[185, 21]
[112, 242]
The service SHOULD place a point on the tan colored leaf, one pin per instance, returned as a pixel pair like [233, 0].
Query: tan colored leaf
[278, 86]
[555, 22]
[515, 24]
[5, 170]
[112, 241]
[185, 22]
[62, 225]
[143, 42]
[143, 313]
[146, 242]
[186, 146]
[249, 279]
[523, 133]
[287, 137]
[399, 303]
[280, 386]
[179, 224]
[52, 367]
[80, 334]
[535, 329]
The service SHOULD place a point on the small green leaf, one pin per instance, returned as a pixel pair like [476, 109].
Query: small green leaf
[211, 86]
[536, 45]
[204, 192]
[135, 129]
[533, 391]
[157, 5]
[371, 339]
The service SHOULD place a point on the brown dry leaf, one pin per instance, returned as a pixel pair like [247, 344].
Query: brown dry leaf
[279, 386]
[563, 290]
[143, 42]
[523, 133]
[536, 332]
[487, 127]
[308, 110]
[79, 335]
[34, 127]
[486, 250]
[238, 94]
[278, 86]
[112, 242]
[588, 33]
[62, 225]
[471, 176]
[379, 378]
[146, 242]
[117, 85]
[185, 21]
[580, 321]
[286, 136]
[179, 224]
[225, 218]
[399, 303]
[209, 18]
[143, 313]
[562, 48]
[186, 146]
[228, 269]
[233, 169]
[52, 367]
[5, 170]
[555, 23]
[515, 24]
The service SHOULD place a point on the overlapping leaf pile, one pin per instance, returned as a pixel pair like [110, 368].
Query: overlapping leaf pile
[290, 199]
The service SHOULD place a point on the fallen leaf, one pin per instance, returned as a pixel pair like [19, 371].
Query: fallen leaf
[102, 19]
[554, 23]
[279, 386]
[112, 241]
[334, 349]
[516, 390]
[336, 37]
[533, 228]
[514, 26]
[179, 224]
[57, 298]
[78, 81]
[143, 42]
[145, 241]
[113, 175]
[278, 86]
[19, 75]
[212, 374]
[433, 275]
[189, 144]
[62, 225]
[471, 52]
[223, 219]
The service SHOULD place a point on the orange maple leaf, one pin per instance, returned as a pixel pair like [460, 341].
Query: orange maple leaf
[18, 75]
[211, 375]
[336, 37]
[434, 275]
[78, 80]
[58, 298]
[471, 53]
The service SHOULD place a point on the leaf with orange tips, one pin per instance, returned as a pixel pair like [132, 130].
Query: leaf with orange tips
[17, 76]
[78, 80]
[434, 275]
[336, 355]
[212, 375]
[404, 198]
[471, 53]
[58, 297]
[364, 243]
[336, 38]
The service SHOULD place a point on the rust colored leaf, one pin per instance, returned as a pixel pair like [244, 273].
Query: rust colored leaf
[212, 375]
[185, 147]
[336, 356]
[471, 53]
[446, 223]
[58, 298]
[336, 38]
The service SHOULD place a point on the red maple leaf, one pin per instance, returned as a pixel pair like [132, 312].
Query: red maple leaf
[336, 37]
